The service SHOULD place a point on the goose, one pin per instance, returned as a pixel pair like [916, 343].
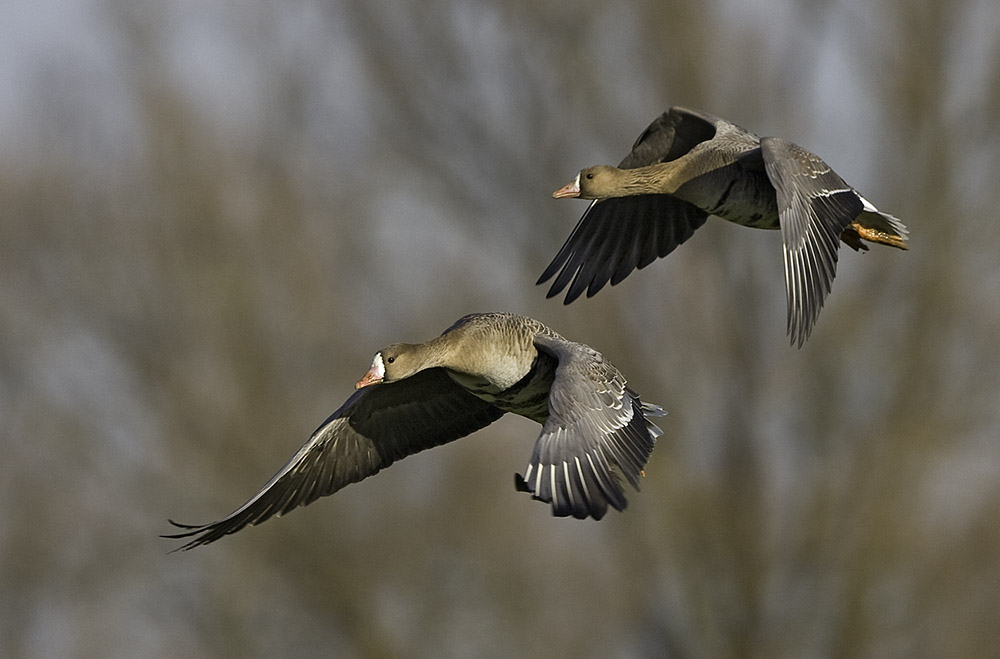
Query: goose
[595, 429]
[688, 165]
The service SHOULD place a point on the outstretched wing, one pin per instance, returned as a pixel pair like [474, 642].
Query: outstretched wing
[815, 205]
[616, 236]
[597, 430]
[670, 136]
[376, 426]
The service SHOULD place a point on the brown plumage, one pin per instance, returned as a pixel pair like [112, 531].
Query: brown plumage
[688, 165]
[417, 396]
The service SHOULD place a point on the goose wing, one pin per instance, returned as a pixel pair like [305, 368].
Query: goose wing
[815, 205]
[376, 426]
[597, 431]
[618, 235]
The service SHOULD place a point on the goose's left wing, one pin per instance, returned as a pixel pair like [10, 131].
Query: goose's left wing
[815, 205]
[597, 430]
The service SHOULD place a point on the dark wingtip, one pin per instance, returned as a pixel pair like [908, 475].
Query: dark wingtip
[190, 530]
[554, 291]
[595, 287]
[797, 337]
[557, 286]
[185, 526]
[571, 296]
[521, 485]
[597, 514]
[555, 265]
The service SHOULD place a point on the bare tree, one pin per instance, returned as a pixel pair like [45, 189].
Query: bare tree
[214, 216]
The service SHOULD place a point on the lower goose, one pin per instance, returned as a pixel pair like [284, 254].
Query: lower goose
[688, 165]
[417, 396]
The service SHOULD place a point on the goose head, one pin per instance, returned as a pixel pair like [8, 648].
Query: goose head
[392, 363]
[598, 182]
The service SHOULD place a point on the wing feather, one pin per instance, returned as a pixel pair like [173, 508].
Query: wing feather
[597, 431]
[815, 205]
[376, 426]
[619, 235]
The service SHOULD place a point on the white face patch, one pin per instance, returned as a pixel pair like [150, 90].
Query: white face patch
[576, 183]
[378, 366]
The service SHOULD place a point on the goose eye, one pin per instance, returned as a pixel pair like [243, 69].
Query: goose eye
[590, 175]
[390, 360]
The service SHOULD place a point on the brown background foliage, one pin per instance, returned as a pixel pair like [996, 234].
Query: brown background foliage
[213, 216]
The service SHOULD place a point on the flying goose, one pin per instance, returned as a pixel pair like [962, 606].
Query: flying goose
[688, 165]
[416, 396]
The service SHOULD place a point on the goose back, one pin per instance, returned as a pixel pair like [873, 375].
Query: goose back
[496, 360]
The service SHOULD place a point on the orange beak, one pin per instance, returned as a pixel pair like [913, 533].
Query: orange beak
[571, 189]
[374, 375]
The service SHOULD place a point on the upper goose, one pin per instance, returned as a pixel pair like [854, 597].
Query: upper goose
[416, 396]
[688, 165]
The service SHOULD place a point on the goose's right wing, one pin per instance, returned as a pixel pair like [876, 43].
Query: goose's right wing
[619, 235]
[376, 426]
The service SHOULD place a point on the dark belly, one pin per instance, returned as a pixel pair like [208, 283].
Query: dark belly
[747, 198]
[529, 396]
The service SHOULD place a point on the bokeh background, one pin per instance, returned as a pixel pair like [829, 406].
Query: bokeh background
[212, 215]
